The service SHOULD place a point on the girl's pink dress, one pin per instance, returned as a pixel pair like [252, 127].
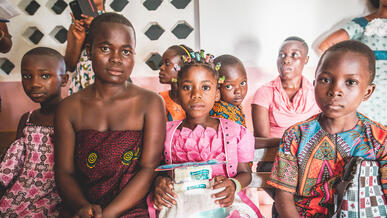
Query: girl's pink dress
[231, 142]
[202, 144]
[27, 174]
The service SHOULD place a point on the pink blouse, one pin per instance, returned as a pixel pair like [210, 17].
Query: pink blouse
[202, 144]
[282, 112]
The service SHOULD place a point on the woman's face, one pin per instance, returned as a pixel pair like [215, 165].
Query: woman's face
[291, 59]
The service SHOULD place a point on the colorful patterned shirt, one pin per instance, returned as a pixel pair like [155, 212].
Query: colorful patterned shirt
[83, 74]
[222, 109]
[310, 160]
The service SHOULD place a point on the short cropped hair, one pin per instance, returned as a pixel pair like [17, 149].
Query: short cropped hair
[109, 18]
[40, 51]
[296, 38]
[228, 60]
[357, 47]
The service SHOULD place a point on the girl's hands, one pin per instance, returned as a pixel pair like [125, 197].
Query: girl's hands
[163, 194]
[89, 211]
[227, 194]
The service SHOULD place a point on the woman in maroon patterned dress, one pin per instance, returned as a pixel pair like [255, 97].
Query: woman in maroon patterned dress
[109, 135]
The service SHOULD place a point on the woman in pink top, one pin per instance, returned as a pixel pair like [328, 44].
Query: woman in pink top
[286, 100]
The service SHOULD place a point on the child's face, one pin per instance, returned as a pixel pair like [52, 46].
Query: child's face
[112, 52]
[198, 91]
[234, 88]
[41, 77]
[291, 59]
[342, 83]
[167, 68]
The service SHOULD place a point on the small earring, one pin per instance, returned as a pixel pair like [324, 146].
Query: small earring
[174, 80]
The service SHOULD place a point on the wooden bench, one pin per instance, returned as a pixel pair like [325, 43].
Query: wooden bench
[259, 179]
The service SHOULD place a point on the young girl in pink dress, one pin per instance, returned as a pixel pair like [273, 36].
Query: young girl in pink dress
[200, 137]
[27, 169]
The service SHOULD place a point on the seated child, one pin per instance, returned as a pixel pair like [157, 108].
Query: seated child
[312, 153]
[27, 169]
[200, 137]
[170, 64]
[233, 89]
[110, 134]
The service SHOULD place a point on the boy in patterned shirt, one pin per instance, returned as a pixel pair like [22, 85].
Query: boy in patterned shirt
[312, 153]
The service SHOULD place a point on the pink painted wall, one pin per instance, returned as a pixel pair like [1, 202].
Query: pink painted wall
[14, 102]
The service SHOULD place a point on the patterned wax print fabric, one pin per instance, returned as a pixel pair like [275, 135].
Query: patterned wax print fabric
[228, 111]
[374, 35]
[283, 113]
[83, 74]
[310, 161]
[27, 174]
[173, 109]
[106, 162]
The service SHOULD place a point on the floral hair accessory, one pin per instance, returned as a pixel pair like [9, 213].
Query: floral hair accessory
[192, 54]
[202, 54]
[184, 58]
[208, 58]
[217, 66]
[198, 57]
[221, 79]
[174, 80]
[176, 67]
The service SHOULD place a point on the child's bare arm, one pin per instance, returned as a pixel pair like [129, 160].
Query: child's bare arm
[75, 39]
[21, 125]
[261, 123]
[336, 37]
[243, 177]
[68, 187]
[285, 205]
[5, 41]
[154, 134]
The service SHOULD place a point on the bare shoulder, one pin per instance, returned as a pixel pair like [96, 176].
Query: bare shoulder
[21, 125]
[145, 95]
[70, 104]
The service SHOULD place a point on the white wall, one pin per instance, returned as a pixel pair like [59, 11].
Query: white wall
[166, 15]
[253, 30]
[250, 29]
